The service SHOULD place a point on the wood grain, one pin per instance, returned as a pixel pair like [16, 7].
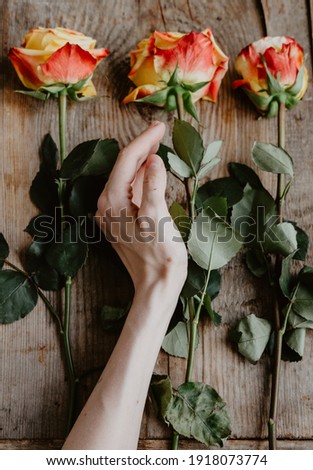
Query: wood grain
[163, 444]
[33, 387]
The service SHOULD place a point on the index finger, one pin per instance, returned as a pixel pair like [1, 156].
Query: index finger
[134, 155]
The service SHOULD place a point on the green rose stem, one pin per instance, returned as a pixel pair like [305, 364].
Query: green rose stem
[281, 143]
[194, 316]
[179, 106]
[195, 321]
[73, 380]
[180, 114]
[68, 354]
[191, 186]
[62, 123]
[62, 137]
[279, 331]
[175, 440]
[64, 332]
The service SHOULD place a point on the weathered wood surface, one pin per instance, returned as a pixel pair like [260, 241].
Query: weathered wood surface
[33, 388]
[163, 444]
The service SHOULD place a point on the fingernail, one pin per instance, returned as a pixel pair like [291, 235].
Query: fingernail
[155, 123]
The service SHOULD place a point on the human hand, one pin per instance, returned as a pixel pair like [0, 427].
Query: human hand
[133, 214]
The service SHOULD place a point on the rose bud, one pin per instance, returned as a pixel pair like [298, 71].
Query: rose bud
[273, 72]
[57, 56]
[166, 65]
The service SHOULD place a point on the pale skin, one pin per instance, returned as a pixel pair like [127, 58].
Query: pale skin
[112, 416]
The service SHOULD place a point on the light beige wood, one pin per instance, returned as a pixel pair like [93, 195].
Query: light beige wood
[33, 388]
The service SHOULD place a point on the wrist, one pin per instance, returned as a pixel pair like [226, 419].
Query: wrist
[154, 304]
[168, 277]
[164, 287]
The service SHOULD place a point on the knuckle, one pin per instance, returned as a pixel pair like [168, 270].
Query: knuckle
[103, 202]
[108, 199]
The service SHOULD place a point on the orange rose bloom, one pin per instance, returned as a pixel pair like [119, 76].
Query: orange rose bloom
[196, 56]
[56, 56]
[272, 71]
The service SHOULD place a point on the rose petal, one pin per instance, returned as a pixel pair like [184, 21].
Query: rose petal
[238, 83]
[52, 39]
[99, 54]
[196, 56]
[145, 73]
[68, 65]
[283, 63]
[283, 57]
[141, 92]
[88, 90]
[26, 65]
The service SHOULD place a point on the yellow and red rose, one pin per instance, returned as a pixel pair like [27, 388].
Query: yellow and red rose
[272, 71]
[50, 56]
[194, 58]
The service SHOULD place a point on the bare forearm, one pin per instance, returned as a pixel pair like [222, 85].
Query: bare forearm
[112, 416]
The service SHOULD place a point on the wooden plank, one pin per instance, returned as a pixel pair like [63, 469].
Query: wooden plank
[216, 361]
[231, 444]
[310, 18]
[33, 389]
[163, 444]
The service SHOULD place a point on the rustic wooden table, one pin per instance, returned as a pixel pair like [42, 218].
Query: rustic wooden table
[33, 387]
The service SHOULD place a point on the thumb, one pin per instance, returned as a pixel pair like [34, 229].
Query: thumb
[154, 183]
